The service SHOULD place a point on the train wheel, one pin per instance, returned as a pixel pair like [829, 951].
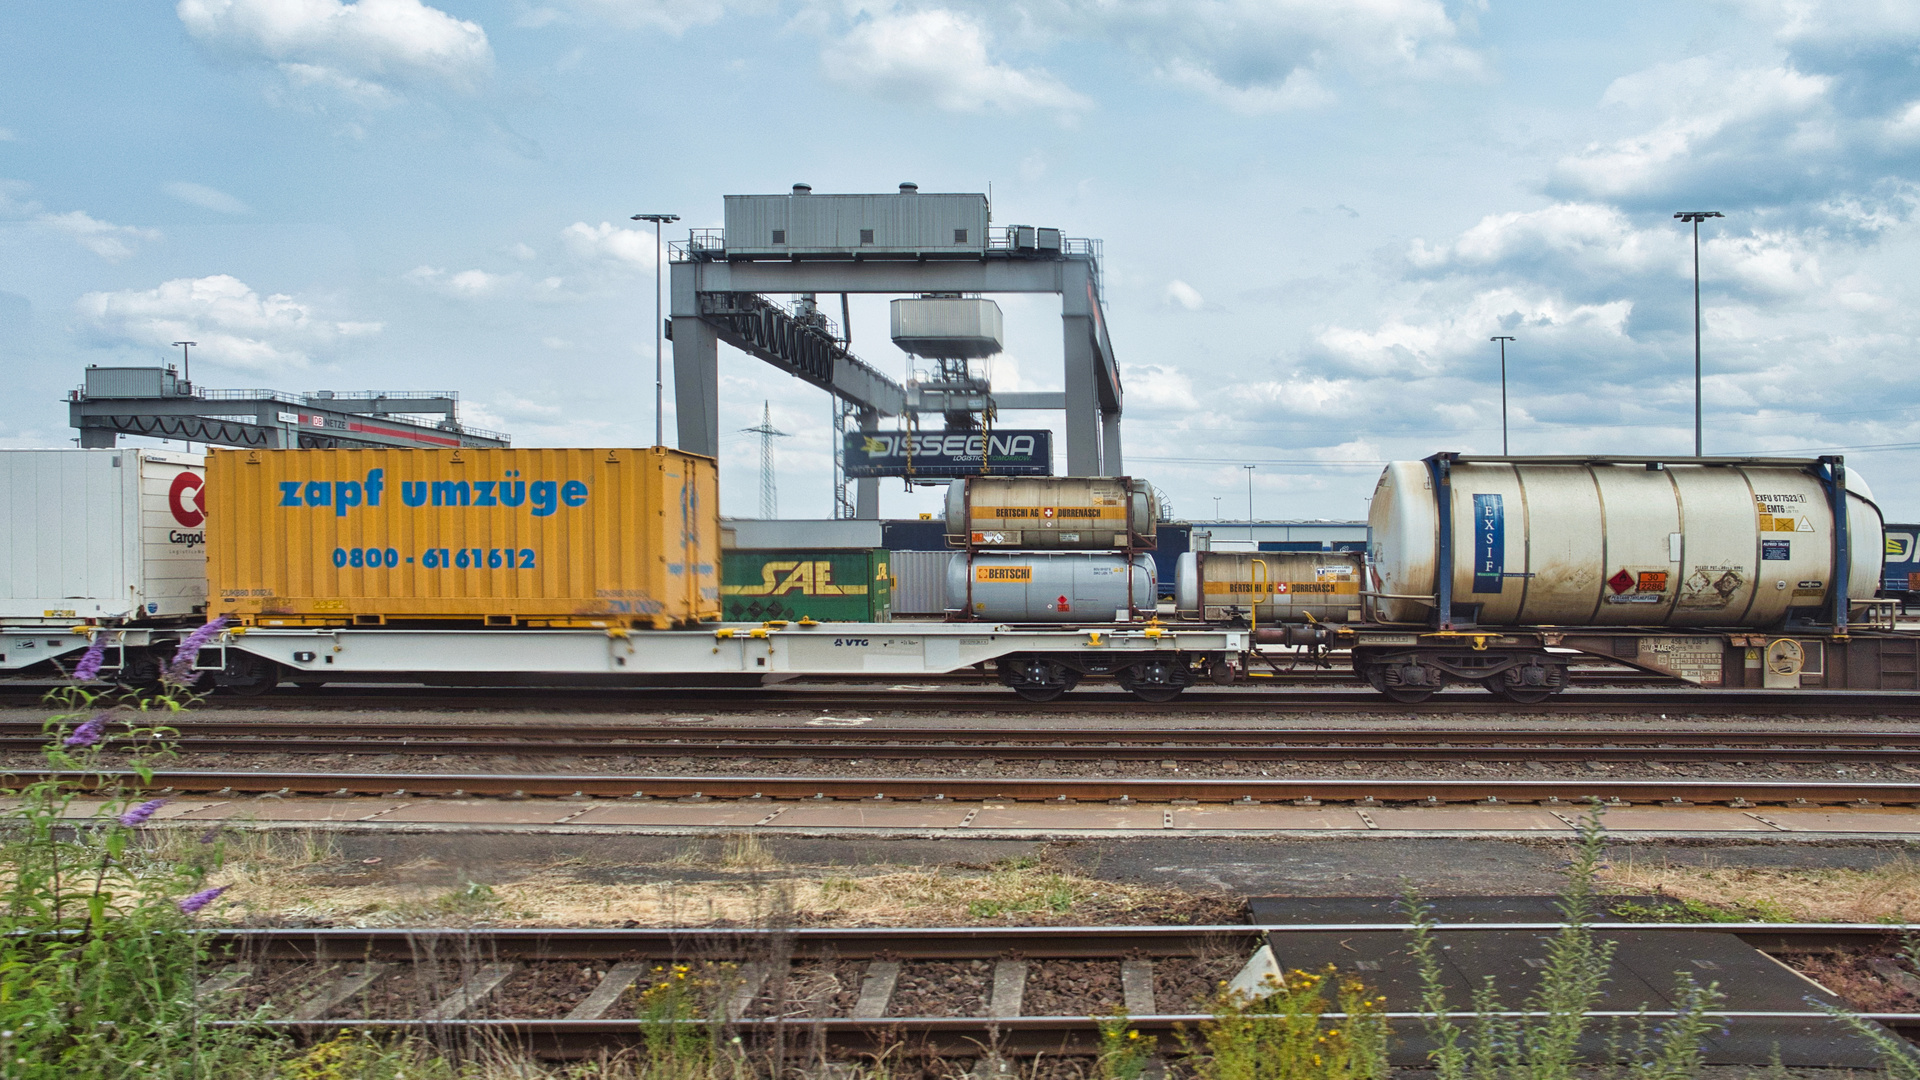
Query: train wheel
[1155, 680]
[1530, 695]
[1408, 695]
[247, 675]
[1036, 678]
[1039, 694]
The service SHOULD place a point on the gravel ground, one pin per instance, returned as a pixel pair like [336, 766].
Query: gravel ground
[1849, 977]
[813, 990]
[942, 988]
[544, 991]
[1072, 988]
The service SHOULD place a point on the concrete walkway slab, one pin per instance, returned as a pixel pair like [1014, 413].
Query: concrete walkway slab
[1469, 819]
[1268, 818]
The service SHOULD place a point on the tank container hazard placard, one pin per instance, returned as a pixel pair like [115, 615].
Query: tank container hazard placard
[1783, 513]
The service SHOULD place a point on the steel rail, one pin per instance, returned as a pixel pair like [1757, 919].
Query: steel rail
[990, 699]
[968, 1036]
[916, 942]
[954, 1036]
[1217, 744]
[1568, 792]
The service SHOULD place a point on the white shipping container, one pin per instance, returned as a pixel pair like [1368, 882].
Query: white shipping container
[102, 535]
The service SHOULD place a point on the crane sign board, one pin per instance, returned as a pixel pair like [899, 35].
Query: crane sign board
[947, 454]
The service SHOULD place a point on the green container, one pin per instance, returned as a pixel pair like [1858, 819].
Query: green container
[838, 585]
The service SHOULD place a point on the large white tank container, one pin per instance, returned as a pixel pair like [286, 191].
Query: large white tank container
[102, 536]
[1276, 586]
[1052, 512]
[1050, 586]
[1623, 543]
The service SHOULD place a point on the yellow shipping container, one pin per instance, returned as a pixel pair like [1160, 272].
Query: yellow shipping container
[621, 537]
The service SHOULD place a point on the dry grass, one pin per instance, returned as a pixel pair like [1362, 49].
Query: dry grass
[1886, 893]
[294, 880]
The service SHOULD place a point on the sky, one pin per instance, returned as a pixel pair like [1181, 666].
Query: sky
[1314, 214]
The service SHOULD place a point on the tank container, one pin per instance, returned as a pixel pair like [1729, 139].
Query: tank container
[1584, 544]
[604, 537]
[1281, 586]
[1050, 586]
[106, 536]
[820, 584]
[1080, 513]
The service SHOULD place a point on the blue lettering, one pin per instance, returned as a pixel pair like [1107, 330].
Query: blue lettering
[376, 483]
[345, 493]
[513, 492]
[483, 493]
[318, 493]
[289, 493]
[452, 493]
[545, 498]
[413, 492]
[574, 493]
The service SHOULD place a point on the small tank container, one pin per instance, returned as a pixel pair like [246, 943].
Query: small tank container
[1278, 586]
[1620, 543]
[1050, 587]
[1074, 513]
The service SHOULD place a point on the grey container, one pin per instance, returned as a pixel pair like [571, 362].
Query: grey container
[856, 224]
[1051, 586]
[920, 582]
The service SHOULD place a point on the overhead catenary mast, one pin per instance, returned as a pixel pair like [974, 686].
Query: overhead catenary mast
[769, 491]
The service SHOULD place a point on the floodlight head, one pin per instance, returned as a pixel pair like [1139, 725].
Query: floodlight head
[1503, 337]
[1697, 216]
[657, 219]
[186, 343]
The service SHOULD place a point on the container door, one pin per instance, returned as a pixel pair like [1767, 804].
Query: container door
[173, 534]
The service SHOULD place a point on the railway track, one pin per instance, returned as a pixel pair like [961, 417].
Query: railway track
[988, 700]
[1566, 792]
[1082, 744]
[765, 985]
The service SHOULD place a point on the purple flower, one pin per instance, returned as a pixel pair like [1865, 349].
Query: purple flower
[201, 899]
[88, 669]
[139, 814]
[179, 670]
[87, 734]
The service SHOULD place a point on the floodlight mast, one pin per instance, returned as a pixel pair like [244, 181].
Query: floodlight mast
[1696, 217]
[659, 331]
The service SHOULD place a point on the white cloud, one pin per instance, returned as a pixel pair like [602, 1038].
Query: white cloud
[357, 49]
[235, 326]
[111, 242]
[609, 242]
[114, 243]
[1713, 117]
[1262, 56]
[1593, 235]
[1185, 295]
[939, 57]
[207, 198]
[673, 16]
[476, 284]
